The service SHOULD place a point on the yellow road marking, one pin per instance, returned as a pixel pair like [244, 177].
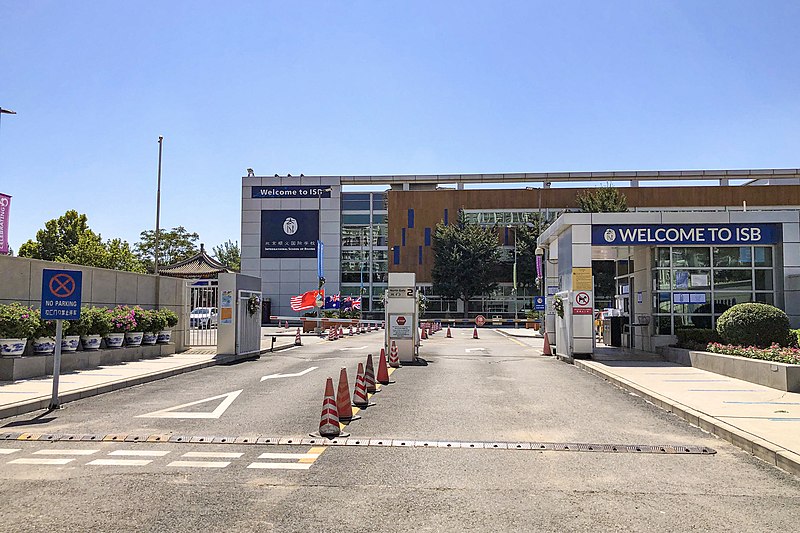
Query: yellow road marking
[512, 339]
[317, 451]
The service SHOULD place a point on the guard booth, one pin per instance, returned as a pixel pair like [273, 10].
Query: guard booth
[402, 316]
[239, 315]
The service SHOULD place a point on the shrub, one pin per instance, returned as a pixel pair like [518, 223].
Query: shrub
[169, 317]
[696, 338]
[47, 328]
[122, 319]
[753, 324]
[98, 320]
[18, 321]
[143, 318]
[775, 352]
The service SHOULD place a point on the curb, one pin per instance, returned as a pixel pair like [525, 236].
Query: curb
[773, 454]
[36, 404]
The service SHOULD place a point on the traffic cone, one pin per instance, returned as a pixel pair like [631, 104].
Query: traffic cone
[287, 325]
[394, 359]
[383, 372]
[343, 404]
[546, 350]
[351, 331]
[297, 341]
[330, 334]
[383, 325]
[424, 334]
[475, 333]
[369, 376]
[360, 398]
[341, 332]
[449, 335]
[329, 420]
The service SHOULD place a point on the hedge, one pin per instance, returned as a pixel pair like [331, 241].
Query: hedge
[696, 338]
[754, 324]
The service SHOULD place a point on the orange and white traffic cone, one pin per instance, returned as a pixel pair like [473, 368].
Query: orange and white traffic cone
[449, 335]
[341, 332]
[360, 398]
[394, 358]
[329, 421]
[369, 376]
[475, 333]
[297, 341]
[343, 404]
[383, 372]
[424, 334]
[546, 350]
[330, 334]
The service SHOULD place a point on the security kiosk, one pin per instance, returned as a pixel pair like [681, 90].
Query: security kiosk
[402, 315]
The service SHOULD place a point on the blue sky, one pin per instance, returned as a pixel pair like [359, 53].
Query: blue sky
[374, 88]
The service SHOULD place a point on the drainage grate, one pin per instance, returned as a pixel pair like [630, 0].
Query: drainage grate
[373, 442]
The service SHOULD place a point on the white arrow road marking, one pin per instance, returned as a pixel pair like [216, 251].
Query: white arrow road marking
[468, 350]
[175, 412]
[276, 376]
[359, 348]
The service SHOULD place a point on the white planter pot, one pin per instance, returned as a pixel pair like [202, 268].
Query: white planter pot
[133, 338]
[114, 340]
[149, 338]
[70, 343]
[91, 342]
[44, 345]
[164, 336]
[12, 347]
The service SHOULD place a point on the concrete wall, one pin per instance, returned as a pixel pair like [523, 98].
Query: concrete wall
[21, 281]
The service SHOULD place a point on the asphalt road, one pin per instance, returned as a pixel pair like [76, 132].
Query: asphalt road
[492, 390]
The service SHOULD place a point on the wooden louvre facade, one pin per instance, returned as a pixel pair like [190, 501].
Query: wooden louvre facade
[414, 214]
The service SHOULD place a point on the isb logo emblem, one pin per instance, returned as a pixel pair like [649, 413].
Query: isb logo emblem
[610, 235]
[290, 226]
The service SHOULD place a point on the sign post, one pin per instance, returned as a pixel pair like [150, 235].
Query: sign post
[61, 300]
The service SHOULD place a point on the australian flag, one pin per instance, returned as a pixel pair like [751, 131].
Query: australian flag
[332, 302]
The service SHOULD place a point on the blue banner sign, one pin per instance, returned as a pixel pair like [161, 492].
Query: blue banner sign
[289, 233]
[291, 191]
[538, 303]
[61, 294]
[667, 234]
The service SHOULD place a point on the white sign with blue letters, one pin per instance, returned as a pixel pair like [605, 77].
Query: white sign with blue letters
[699, 234]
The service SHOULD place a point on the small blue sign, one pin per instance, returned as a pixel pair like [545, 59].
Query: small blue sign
[666, 234]
[291, 191]
[552, 290]
[538, 303]
[61, 294]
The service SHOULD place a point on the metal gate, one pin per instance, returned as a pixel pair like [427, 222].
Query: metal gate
[203, 312]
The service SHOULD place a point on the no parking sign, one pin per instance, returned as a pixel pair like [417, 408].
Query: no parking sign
[61, 294]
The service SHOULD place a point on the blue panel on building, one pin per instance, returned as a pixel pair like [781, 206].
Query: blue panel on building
[410, 218]
[446, 218]
[396, 251]
[427, 236]
[420, 255]
[403, 236]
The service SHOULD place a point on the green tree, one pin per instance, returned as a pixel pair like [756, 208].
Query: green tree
[466, 259]
[228, 254]
[526, 253]
[174, 245]
[607, 199]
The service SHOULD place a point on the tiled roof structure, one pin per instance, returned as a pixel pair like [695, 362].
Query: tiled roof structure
[198, 266]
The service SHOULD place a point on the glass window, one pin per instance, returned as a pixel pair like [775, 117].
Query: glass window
[763, 256]
[661, 280]
[661, 257]
[379, 232]
[690, 257]
[725, 300]
[355, 235]
[763, 279]
[663, 325]
[380, 218]
[733, 256]
[662, 302]
[622, 268]
[735, 280]
[691, 279]
[379, 202]
[765, 298]
[356, 219]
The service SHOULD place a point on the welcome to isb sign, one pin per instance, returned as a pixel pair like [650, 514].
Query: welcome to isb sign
[698, 234]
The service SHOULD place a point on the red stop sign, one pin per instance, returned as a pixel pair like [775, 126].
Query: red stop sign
[401, 320]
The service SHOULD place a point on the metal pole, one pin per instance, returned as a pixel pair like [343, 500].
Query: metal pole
[158, 205]
[56, 366]
[516, 300]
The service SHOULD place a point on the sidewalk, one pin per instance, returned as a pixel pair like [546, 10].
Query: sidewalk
[25, 396]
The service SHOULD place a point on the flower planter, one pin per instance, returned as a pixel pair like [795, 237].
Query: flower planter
[70, 343]
[12, 347]
[149, 338]
[133, 338]
[44, 345]
[114, 340]
[91, 342]
[164, 336]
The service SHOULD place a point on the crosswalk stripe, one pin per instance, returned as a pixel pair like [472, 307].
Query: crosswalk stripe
[281, 466]
[34, 461]
[120, 462]
[6, 451]
[65, 452]
[140, 453]
[213, 455]
[288, 456]
[200, 464]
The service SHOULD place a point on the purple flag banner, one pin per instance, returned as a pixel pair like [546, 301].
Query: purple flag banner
[5, 208]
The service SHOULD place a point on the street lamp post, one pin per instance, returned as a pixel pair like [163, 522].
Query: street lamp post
[158, 206]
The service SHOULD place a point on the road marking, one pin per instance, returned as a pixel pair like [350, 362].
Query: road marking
[140, 453]
[6, 451]
[213, 455]
[281, 466]
[468, 350]
[32, 461]
[200, 464]
[174, 412]
[120, 462]
[297, 375]
[65, 452]
[316, 451]
[288, 456]
[353, 348]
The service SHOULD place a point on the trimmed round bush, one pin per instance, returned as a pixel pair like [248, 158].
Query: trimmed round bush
[753, 324]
